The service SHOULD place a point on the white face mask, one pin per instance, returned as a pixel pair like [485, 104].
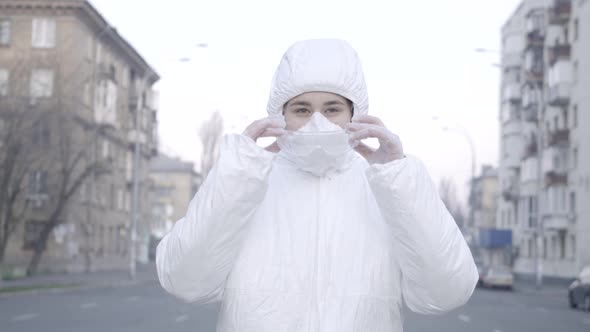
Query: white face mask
[320, 147]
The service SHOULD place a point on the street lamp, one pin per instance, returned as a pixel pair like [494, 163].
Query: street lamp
[465, 134]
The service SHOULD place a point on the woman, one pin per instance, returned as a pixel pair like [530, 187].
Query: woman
[309, 234]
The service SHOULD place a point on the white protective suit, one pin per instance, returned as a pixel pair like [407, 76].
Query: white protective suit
[289, 251]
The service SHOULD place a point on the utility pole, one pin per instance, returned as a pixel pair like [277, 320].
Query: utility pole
[135, 193]
[539, 230]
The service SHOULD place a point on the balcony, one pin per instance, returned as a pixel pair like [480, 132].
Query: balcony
[559, 95]
[530, 104]
[559, 52]
[106, 72]
[555, 165]
[556, 221]
[555, 178]
[534, 41]
[511, 192]
[558, 137]
[135, 135]
[530, 149]
[134, 97]
[512, 128]
[560, 12]
[535, 24]
[530, 113]
[511, 60]
[533, 65]
[512, 93]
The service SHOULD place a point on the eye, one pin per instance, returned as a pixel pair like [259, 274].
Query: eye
[332, 110]
[301, 110]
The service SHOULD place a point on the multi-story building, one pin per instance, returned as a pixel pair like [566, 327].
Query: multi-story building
[544, 168]
[174, 183]
[484, 204]
[61, 62]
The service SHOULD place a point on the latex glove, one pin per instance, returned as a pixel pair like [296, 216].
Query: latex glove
[390, 145]
[267, 127]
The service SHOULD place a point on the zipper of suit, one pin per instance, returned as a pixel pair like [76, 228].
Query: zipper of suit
[314, 294]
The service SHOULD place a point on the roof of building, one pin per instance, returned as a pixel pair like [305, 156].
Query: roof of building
[95, 18]
[163, 163]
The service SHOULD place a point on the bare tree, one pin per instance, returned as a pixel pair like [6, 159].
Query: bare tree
[70, 164]
[210, 133]
[15, 161]
[18, 124]
[448, 194]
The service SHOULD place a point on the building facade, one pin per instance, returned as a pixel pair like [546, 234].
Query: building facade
[174, 184]
[61, 62]
[544, 172]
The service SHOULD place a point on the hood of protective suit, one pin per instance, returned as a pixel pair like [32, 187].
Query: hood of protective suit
[326, 65]
[287, 251]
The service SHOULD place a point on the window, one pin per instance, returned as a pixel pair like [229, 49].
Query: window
[43, 33]
[89, 47]
[37, 184]
[120, 199]
[33, 231]
[41, 135]
[575, 116]
[576, 29]
[41, 83]
[544, 247]
[575, 158]
[86, 94]
[3, 82]
[573, 203]
[5, 27]
[105, 149]
[575, 72]
[573, 245]
[100, 239]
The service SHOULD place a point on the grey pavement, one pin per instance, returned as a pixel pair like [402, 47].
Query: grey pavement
[146, 307]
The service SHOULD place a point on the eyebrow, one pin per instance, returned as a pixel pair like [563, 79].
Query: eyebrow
[333, 102]
[300, 103]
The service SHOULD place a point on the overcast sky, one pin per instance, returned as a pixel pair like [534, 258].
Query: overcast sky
[418, 57]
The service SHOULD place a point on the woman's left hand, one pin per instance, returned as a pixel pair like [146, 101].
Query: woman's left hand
[390, 146]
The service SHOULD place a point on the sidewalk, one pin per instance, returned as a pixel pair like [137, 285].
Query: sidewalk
[146, 273]
[548, 288]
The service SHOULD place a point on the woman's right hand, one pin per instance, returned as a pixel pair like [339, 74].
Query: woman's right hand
[267, 127]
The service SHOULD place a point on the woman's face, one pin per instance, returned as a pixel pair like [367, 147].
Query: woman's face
[298, 111]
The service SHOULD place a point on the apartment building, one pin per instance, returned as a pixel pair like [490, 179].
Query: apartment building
[90, 93]
[174, 184]
[544, 171]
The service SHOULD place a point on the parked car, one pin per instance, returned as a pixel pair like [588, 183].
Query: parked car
[579, 290]
[498, 277]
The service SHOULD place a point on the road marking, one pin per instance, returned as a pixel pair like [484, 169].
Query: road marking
[496, 330]
[539, 309]
[24, 317]
[88, 305]
[133, 298]
[464, 318]
[181, 318]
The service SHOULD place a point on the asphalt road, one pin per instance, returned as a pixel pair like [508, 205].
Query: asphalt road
[147, 308]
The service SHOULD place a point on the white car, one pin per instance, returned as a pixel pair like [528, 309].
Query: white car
[498, 277]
